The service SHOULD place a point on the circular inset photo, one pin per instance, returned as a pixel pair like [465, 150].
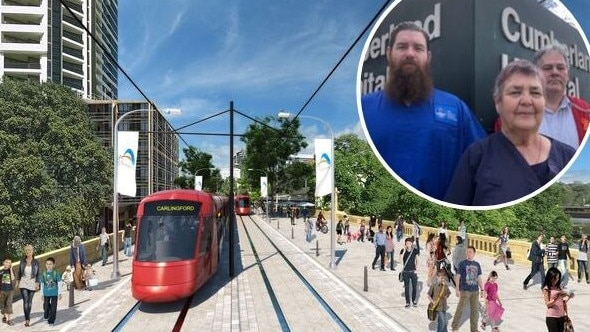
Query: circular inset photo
[475, 104]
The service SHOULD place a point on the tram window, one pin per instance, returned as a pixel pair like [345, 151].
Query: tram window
[166, 238]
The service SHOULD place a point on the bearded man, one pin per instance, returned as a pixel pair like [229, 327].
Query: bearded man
[419, 131]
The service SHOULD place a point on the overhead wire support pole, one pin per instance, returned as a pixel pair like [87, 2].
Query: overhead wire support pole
[232, 215]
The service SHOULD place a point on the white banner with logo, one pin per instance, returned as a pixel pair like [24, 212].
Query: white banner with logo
[263, 186]
[127, 142]
[324, 166]
[199, 182]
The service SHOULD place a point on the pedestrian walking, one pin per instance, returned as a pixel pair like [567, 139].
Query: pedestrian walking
[379, 248]
[7, 279]
[583, 259]
[339, 229]
[50, 280]
[462, 230]
[468, 281]
[555, 301]
[442, 230]
[431, 243]
[292, 214]
[502, 250]
[89, 275]
[551, 252]
[29, 279]
[459, 253]
[399, 228]
[390, 247]
[416, 233]
[78, 261]
[438, 293]
[563, 253]
[104, 246]
[361, 231]
[409, 255]
[536, 257]
[493, 306]
[129, 228]
[308, 229]
[346, 225]
[67, 277]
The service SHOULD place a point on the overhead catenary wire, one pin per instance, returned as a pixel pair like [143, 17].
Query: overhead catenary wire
[343, 57]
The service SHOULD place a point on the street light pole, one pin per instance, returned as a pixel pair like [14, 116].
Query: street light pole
[266, 198]
[197, 172]
[332, 264]
[116, 274]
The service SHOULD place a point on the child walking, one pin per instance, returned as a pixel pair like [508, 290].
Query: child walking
[50, 281]
[88, 274]
[438, 293]
[493, 307]
[6, 290]
[67, 277]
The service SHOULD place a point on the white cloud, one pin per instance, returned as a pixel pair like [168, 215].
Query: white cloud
[576, 176]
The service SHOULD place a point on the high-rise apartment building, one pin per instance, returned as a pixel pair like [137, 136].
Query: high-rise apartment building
[45, 40]
[157, 153]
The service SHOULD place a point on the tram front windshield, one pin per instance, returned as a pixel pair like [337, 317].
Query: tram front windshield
[168, 231]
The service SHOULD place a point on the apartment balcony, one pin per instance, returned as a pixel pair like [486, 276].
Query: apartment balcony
[34, 29]
[22, 71]
[73, 54]
[72, 23]
[21, 65]
[73, 37]
[75, 6]
[72, 71]
[23, 48]
[23, 7]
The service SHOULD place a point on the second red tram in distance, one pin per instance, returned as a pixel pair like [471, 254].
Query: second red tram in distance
[177, 243]
[242, 205]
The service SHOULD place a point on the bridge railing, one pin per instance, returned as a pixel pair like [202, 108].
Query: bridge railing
[482, 243]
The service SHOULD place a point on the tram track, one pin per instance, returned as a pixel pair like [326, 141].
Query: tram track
[264, 250]
[137, 315]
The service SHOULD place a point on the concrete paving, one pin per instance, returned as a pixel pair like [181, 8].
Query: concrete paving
[229, 305]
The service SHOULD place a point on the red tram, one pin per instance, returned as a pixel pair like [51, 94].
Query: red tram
[177, 245]
[242, 205]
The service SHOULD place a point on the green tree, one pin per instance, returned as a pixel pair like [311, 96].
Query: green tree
[55, 175]
[269, 148]
[196, 160]
[543, 213]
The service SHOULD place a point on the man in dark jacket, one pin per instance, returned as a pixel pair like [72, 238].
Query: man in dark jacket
[536, 257]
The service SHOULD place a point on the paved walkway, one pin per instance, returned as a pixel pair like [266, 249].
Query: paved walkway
[523, 308]
[99, 309]
[87, 313]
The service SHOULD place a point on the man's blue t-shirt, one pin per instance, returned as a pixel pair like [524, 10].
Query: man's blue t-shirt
[422, 143]
[470, 272]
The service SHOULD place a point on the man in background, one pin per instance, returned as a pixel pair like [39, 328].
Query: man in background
[566, 118]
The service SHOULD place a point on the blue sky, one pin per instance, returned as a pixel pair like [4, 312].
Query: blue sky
[266, 56]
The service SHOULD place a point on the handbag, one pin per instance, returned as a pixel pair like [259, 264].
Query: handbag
[508, 253]
[92, 282]
[568, 326]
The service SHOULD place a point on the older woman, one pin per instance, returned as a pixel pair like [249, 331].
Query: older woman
[78, 261]
[515, 162]
[29, 279]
